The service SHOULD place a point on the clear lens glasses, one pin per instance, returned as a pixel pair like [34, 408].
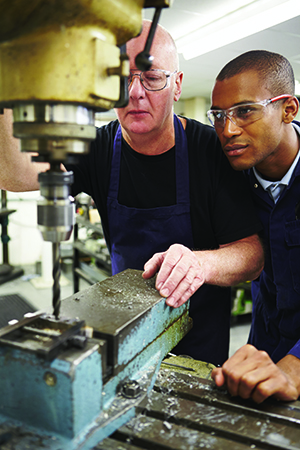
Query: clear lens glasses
[241, 115]
[152, 80]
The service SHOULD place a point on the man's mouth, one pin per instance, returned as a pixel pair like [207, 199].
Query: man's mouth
[137, 113]
[235, 149]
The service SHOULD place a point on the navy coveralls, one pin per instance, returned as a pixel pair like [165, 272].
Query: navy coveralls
[276, 293]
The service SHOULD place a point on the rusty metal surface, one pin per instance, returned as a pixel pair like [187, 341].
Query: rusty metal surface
[186, 412]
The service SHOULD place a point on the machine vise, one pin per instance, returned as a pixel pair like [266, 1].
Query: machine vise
[63, 390]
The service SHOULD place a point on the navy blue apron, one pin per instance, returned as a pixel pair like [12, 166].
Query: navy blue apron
[137, 233]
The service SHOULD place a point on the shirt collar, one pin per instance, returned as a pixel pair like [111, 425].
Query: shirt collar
[270, 185]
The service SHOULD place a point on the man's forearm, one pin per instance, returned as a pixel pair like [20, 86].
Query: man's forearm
[17, 172]
[233, 263]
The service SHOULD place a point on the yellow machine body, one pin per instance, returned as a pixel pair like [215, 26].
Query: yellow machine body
[62, 51]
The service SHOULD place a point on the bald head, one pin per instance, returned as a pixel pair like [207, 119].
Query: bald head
[163, 47]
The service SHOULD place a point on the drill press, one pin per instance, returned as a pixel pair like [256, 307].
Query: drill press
[62, 61]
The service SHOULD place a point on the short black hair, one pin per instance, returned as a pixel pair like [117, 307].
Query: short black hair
[273, 69]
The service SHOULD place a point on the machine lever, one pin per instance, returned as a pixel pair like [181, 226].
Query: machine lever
[144, 60]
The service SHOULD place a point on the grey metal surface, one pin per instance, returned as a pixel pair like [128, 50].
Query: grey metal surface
[128, 312]
[185, 412]
[110, 305]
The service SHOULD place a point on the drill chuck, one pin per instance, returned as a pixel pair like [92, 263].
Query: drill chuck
[56, 210]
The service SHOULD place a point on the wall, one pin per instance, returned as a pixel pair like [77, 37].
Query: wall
[25, 246]
[194, 108]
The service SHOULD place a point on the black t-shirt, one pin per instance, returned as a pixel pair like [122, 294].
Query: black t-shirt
[221, 212]
[221, 208]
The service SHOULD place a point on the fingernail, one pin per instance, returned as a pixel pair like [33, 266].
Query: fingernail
[171, 302]
[164, 292]
[159, 286]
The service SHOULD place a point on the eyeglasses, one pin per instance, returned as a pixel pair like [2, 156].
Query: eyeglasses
[241, 115]
[152, 80]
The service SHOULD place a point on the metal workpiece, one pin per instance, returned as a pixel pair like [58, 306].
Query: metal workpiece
[129, 313]
[185, 412]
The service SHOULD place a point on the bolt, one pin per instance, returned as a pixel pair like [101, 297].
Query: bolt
[50, 378]
[131, 389]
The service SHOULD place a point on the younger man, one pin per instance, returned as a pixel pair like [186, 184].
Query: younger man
[253, 111]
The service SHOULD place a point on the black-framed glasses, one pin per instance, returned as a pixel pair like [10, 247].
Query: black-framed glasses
[243, 114]
[153, 79]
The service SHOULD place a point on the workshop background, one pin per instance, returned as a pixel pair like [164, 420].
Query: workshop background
[208, 33]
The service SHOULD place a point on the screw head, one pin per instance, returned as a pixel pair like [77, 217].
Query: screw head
[50, 378]
[131, 389]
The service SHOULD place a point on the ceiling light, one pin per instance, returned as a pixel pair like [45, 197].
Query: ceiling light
[237, 25]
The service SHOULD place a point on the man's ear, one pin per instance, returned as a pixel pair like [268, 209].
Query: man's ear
[290, 109]
[178, 86]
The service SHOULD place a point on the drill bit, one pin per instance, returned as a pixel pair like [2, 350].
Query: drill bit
[56, 277]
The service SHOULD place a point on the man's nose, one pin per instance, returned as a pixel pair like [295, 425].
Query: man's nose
[136, 89]
[230, 128]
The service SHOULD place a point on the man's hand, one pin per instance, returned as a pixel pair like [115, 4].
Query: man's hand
[179, 274]
[250, 373]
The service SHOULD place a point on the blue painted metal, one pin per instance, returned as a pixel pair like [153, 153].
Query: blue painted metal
[65, 407]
